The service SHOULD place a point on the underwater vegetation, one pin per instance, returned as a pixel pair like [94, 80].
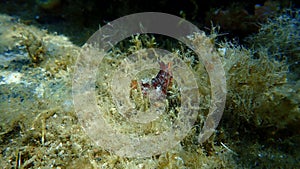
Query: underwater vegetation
[260, 127]
[264, 96]
[281, 38]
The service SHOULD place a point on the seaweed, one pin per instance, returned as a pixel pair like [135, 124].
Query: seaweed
[259, 129]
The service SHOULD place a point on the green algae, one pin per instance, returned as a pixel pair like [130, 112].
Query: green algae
[39, 128]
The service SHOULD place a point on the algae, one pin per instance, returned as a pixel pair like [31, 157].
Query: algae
[39, 128]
